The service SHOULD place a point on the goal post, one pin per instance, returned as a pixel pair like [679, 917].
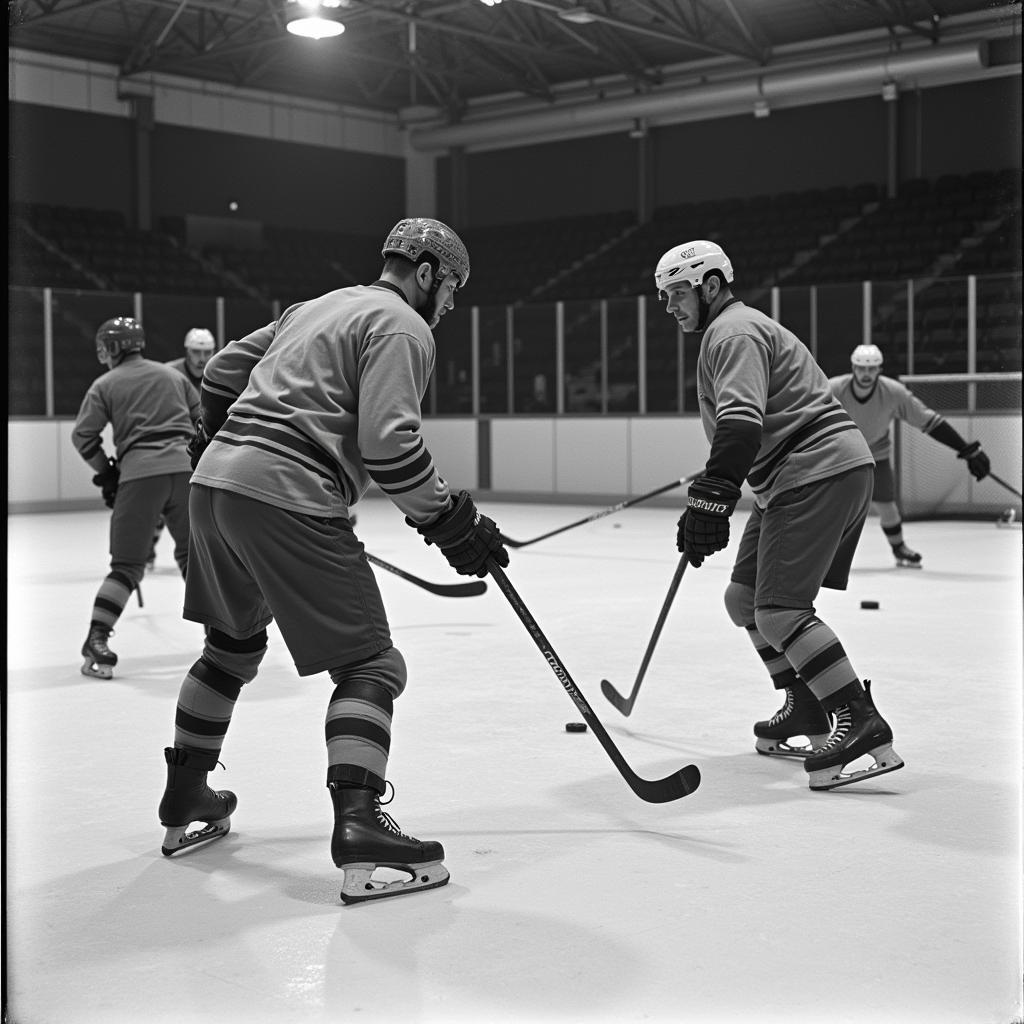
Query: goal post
[931, 482]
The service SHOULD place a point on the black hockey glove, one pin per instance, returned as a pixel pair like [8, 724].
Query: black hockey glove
[977, 460]
[106, 481]
[198, 444]
[704, 526]
[466, 538]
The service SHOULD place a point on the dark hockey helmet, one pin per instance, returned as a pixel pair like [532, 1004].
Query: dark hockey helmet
[413, 236]
[119, 336]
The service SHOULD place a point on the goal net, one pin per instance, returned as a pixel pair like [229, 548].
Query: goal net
[931, 482]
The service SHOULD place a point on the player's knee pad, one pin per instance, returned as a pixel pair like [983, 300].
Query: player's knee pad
[739, 603]
[238, 658]
[779, 625]
[129, 574]
[386, 669]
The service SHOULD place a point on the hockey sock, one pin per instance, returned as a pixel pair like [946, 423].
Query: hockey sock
[209, 691]
[358, 722]
[818, 657]
[110, 600]
[782, 673]
[894, 534]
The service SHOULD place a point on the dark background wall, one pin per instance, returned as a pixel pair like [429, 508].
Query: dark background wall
[70, 158]
[83, 159]
[947, 130]
[77, 158]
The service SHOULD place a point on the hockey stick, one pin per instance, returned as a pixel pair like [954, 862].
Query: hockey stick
[625, 704]
[472, 589]
[508, 542]
[655, 791]
[1003, 483]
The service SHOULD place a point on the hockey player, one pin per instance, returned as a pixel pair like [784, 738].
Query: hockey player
[874, 401]
[300, 416]
[199, 346]
[772, 421]
[151, 410]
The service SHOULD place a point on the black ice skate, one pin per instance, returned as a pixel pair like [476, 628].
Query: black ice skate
[860, 730]
[800, 716]
[366, 838]
[188, 799]
[905, 558]
[99, 658]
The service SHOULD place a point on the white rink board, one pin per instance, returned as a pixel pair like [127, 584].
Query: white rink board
[753, 899]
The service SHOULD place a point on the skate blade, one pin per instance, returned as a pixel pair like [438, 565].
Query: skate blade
[359, 887]
[780, 748]
[177, 839]
[95, 671]
[886, 760]
[909, 565]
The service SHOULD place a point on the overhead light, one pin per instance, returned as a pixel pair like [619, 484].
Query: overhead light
[889, 92]
[761, 108]
[490, 3]
[577, 15]
[306, 18]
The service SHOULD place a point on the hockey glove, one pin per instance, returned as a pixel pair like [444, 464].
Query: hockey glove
[466, 538]
[106, 481]
[704, 526]
[198, 444]
[977, 460]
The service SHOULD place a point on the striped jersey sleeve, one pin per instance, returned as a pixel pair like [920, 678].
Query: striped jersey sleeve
[752, 369]
[889, 400]
[321, 404]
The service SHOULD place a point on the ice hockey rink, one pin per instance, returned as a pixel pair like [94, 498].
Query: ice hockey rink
[753, 899]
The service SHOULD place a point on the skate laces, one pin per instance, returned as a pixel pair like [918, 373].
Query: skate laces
[844, 722]
[383, 817]
[785, 711]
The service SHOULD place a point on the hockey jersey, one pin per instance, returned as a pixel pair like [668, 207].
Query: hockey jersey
[181, 365]
[753, 369]
[323, 401]
[889, 400]
[151, 409]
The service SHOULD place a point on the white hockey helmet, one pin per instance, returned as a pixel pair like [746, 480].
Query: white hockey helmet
[200, 339]
[413, 236]
[866, 355]
[690, 262]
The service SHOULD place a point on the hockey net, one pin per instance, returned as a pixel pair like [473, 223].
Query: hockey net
[931, 482]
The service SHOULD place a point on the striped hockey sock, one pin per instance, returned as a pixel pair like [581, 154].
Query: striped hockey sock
[894, 534]
[358, 733]
[782, 672]
[205, 704]
[110, 600]
[819, 658]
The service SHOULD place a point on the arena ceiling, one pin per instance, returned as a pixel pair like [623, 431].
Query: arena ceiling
[396, 55]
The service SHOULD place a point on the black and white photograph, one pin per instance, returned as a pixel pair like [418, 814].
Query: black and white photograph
[514, 512]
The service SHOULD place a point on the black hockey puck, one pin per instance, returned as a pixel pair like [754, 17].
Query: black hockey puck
[575, 726]
[869, 604]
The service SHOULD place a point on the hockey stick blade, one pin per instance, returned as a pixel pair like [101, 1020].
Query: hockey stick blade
[1003, 483]
[472, 589]
[510, 543]
[655, 791]
[625, 704]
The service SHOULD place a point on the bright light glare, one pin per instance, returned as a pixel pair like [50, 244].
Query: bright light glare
[315, 28]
